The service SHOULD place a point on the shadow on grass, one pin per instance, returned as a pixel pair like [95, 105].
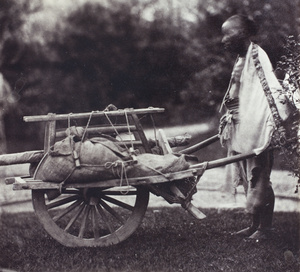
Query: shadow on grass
[168, 240]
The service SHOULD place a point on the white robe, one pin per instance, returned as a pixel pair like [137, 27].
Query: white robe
[255, 126]
[256, 123]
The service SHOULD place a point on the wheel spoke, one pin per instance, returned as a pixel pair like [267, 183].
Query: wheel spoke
[88, 217]
[119, 203]
[74, 218]
[83, 222]
[94, 223]
[67, 210]
[62, 202]
[104, 217]
[112, 211]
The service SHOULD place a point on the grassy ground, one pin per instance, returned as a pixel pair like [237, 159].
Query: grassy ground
[168, 240]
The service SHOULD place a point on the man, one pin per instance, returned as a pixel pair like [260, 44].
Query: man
[249, 123]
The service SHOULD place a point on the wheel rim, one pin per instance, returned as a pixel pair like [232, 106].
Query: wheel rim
[91, 217]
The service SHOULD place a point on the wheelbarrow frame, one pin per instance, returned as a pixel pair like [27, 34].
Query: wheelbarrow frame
[98, 201]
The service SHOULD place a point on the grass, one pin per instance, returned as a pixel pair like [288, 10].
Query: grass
[168, 240]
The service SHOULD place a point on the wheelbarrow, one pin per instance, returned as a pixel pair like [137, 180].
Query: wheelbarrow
[106, 212]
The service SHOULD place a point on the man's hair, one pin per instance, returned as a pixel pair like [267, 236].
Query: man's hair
[248, 24]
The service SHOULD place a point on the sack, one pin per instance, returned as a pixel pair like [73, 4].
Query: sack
[100, 159]
[154, 165]
[94, 156]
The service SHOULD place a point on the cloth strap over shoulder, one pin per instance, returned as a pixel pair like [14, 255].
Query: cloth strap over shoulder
[280, 134]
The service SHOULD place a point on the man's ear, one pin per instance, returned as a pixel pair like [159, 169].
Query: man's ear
[244, 34]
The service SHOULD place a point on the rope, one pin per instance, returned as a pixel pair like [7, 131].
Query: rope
[86, 127]
[76, 156]
[116, 131]
[114, 166]
[65, 180]
[118, 167]
[157, 171]
[123, 172]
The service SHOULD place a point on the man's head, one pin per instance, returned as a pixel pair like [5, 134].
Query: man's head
[237, 31]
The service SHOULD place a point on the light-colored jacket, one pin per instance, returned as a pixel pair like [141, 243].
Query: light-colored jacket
[253, 132]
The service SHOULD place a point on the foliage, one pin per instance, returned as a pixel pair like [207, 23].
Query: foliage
[12, 17]
[289, 64]
[119, 59]
[209, 82]
[102, 54]
[17, 60]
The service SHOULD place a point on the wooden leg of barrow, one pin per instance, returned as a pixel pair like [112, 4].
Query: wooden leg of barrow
[194, 211]
[186, 204]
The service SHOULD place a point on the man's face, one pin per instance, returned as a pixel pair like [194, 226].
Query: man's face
[233, 36]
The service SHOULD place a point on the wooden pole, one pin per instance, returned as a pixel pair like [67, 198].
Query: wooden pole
[39, 118]
[224, 161]
[22, 157]
[200, 145]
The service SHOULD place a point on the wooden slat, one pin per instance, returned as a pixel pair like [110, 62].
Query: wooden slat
[163, 142]
[99, 130]
[39, 184]
[139, 134]
[49, 138]
[12, 180]
[39, 118]
[20, 180]
[129, 143]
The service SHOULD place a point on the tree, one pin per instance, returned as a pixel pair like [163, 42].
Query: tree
[276, 20]
[12, 49]
[109, 55]
[102, 54]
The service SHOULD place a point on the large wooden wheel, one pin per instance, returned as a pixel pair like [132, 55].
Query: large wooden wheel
[91, 217]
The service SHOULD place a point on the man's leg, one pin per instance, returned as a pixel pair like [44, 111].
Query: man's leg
[252, 229]
[266, 218]
[255, 216]
[261, 199]
[260, 195]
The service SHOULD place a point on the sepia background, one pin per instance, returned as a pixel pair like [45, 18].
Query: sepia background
[80, 56]
[62, 57]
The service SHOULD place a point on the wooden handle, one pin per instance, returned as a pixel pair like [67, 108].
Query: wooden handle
[22, 157]
[200, 145]
[224, 161]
